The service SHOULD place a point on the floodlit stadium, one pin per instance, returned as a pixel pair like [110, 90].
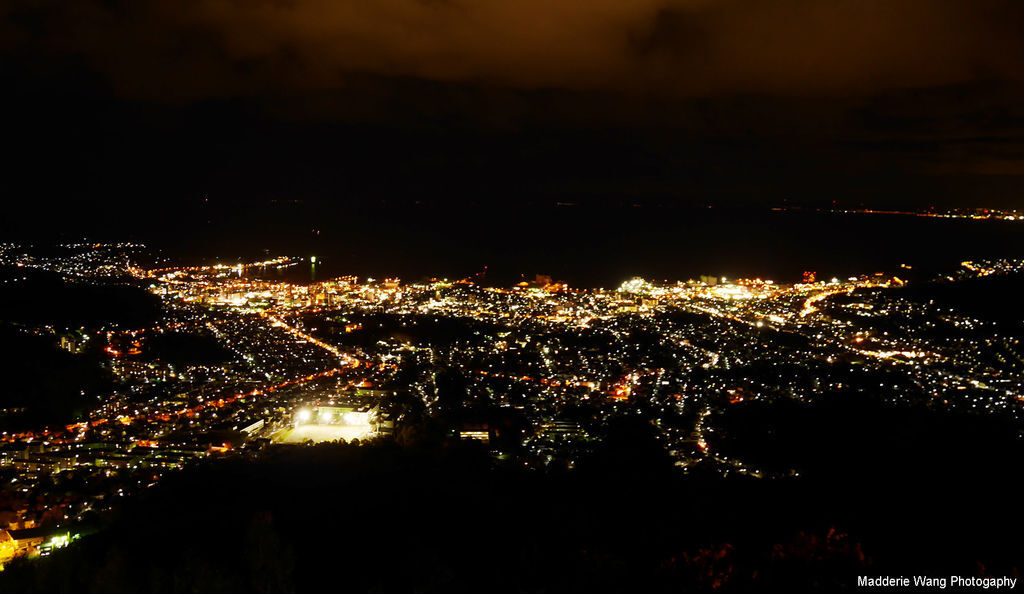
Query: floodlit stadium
[329, 423]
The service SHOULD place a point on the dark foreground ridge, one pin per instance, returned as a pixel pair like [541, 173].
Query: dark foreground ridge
[443, 516]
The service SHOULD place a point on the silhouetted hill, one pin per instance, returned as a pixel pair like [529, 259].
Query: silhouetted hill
[43, 298]
[446, 518]
[51, 385]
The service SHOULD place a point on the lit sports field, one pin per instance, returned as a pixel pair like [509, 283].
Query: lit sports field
[318, 433]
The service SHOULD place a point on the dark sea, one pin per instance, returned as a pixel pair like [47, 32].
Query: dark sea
[588, 246]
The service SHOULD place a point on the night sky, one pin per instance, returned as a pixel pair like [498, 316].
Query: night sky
[125, 112]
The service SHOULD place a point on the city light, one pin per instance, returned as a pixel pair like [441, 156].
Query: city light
[346, 360]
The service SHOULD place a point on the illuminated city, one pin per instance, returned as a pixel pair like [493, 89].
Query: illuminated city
[233, 363]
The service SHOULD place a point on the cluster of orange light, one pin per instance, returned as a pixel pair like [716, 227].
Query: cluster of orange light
[622, 390]
[189, 411]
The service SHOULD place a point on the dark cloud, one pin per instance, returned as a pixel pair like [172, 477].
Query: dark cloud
[187, 49]
[889, 100]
